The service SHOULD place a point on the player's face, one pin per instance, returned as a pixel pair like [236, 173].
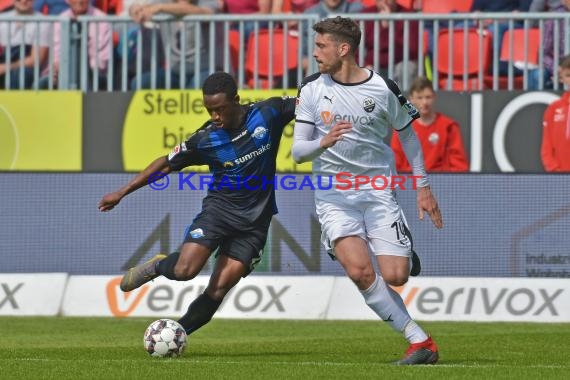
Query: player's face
[564, 76]
[423, 100]
[327, 54]
[223, 111]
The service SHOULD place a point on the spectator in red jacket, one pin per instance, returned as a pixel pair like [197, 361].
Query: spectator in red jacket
[439, 135]
[555, 150]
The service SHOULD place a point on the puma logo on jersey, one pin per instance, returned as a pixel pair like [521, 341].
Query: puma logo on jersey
[329, 99]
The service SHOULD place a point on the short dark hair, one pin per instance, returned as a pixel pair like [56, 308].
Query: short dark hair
[343, 29]
[565, 62]
[420, 84]
[220, 82]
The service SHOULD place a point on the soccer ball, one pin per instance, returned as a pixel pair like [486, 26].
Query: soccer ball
[165, 338]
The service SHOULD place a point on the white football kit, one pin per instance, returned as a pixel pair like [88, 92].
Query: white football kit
[371, 211]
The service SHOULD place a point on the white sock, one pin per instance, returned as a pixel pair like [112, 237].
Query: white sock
[414, 333]
[388, 305]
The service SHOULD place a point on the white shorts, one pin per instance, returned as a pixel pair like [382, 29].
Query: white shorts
[374, 216]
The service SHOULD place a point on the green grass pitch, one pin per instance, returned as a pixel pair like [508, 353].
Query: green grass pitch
[106, 348]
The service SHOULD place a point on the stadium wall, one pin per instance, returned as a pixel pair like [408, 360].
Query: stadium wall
[289, 297]
[122, 132]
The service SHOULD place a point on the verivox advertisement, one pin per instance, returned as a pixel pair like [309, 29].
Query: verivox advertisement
[266, 297]
[327, 297]
[32, 293]
[466, 299]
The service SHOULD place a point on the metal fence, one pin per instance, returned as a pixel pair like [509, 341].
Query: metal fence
[464, 52]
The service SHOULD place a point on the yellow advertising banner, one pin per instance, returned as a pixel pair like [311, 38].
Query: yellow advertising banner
[157, 121]
[40, 130]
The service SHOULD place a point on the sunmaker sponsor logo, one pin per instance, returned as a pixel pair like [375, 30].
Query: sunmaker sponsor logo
[255, 153]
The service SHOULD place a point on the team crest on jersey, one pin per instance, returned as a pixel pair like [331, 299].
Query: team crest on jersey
[433, 138]
[259, 132]
[197, 233]
[369, 104]
[228, 164]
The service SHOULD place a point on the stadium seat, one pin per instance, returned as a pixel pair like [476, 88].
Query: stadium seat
[408, 4]
[234, 43]
[102, 5]
[425, 42]
[270, 46]
[520, 45]
[446, 6]
[471, 54]
[5, 5]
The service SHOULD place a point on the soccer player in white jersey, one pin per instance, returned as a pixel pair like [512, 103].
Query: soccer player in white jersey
[343, 112]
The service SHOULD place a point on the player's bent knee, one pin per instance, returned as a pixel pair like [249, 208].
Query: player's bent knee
[396, 280]
[362, 278]
[185, 272]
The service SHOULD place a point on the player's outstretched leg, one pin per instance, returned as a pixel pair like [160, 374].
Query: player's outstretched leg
[141, 274]
[420, 353]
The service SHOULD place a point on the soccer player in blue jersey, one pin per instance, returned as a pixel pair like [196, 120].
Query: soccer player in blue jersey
[239, 141]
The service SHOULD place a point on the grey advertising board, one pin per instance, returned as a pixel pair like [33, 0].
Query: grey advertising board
[506, 225]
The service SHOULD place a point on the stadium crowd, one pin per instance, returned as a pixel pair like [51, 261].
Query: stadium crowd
[393, 47]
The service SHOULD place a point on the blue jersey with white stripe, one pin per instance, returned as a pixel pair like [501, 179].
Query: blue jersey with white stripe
[242, 160]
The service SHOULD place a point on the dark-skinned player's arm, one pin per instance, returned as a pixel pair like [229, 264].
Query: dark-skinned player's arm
[150, 173]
